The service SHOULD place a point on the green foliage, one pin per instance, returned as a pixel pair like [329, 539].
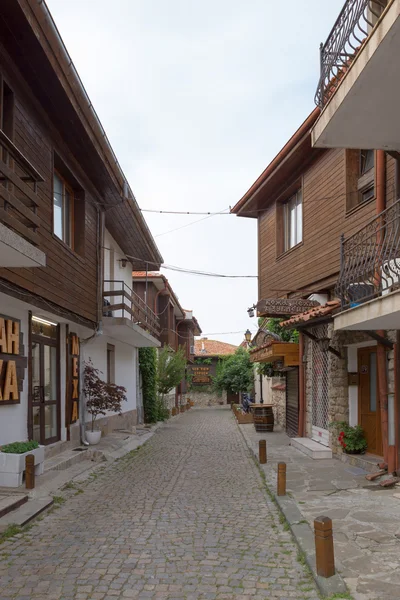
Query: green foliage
[273, 325]
[203, 361]
[20, 447]
[352, 439]
[234, 373]
[148, 370]
[171, 369]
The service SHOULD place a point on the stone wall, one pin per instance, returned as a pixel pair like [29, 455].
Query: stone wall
[206, 398]
[338, 390]
[278, 400]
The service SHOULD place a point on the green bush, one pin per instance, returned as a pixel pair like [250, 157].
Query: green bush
[148, 371]
[19, 447]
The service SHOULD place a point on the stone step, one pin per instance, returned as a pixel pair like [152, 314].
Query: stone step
[25, 513]
[10, 502]
[65, 460]
[311, 448]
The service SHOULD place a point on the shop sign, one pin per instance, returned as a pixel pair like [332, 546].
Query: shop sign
[201, 375]
[12, 361]
[74, 351]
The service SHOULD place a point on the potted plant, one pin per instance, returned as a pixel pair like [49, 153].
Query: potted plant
[101, 397]
[12, 461]
[351, 439]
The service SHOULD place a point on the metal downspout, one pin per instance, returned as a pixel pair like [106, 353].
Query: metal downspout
[381, 351]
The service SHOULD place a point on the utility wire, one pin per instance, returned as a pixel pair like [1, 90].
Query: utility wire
[186, 212]
[191, 223]
[181, 269]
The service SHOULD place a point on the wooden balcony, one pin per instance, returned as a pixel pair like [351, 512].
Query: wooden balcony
[18, 191]
[121, 301]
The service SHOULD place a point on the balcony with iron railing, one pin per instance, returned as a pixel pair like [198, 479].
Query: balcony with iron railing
[119, 300]
[19, 204]
[370, 260]
[353, 26]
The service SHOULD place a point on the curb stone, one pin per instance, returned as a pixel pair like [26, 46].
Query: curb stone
[303, 536]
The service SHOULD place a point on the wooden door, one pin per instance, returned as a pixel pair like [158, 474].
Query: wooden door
[369, 414]
[44, 402]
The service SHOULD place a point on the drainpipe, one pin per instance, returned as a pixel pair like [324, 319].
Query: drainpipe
[99, 329]
[381, 351]
[301, 386]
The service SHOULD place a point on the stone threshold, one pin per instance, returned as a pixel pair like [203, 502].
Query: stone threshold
[311, 448]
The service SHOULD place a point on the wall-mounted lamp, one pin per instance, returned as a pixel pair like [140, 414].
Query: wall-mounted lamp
[123, 262]
[247, 336]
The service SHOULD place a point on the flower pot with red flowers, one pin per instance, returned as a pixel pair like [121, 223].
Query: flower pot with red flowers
[351, 439]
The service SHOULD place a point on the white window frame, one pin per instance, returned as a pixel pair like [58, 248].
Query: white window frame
[293, 221]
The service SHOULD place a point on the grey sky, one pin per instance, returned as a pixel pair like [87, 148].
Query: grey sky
[197, 98]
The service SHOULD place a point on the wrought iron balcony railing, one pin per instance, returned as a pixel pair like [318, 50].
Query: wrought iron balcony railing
[370, 260]
[353, 25]
[18, 191]
[120, 301]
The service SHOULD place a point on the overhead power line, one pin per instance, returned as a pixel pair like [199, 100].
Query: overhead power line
[187, 212]
[181, 269]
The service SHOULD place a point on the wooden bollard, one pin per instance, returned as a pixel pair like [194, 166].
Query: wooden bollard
[29, 471]
[324, 554]
[281, 479]
[262, 452]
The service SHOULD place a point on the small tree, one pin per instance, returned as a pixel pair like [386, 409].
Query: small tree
[101, 396]
[170, 372]
[234, 373]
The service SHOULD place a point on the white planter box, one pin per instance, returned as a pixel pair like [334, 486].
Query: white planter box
[12, 466]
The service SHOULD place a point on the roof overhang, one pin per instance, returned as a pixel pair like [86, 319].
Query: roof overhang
[285, 167]
[285, 352]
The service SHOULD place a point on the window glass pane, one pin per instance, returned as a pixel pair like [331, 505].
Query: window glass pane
[67, 218]
[372, 382]
[367, 160]
[36, 424]
[299, 220]
[50, 373]
[50, 421]
[292, 224]
[58, 207]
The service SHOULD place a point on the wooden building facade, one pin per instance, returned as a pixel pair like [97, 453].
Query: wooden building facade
[306, 202]
[63, 198]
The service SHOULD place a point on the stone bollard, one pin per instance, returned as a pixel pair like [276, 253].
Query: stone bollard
[29, 471]
[324, 554]
[262, 451]
[281, 485]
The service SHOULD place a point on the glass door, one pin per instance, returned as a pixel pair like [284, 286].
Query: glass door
[45, 403]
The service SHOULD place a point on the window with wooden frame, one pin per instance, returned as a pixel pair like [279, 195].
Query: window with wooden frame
[68, 207]
[6, 109]
[63, 207]
[110, 363]
[292, 221]
[360, 177]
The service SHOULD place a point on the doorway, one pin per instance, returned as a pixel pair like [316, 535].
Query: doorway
[369, 414]
[44, 405]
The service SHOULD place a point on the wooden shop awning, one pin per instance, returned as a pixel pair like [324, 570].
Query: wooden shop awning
[281, 307]
[285, 352]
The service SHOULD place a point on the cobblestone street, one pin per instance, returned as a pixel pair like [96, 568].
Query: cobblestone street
[185, 516]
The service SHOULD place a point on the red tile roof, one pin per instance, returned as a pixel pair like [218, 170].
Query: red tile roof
[213, 348]
[314, 313]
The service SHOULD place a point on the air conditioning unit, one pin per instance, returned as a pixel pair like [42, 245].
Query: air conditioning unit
[390, 275]
[192, 351]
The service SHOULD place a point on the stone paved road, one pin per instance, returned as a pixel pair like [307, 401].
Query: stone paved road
[185, 516]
